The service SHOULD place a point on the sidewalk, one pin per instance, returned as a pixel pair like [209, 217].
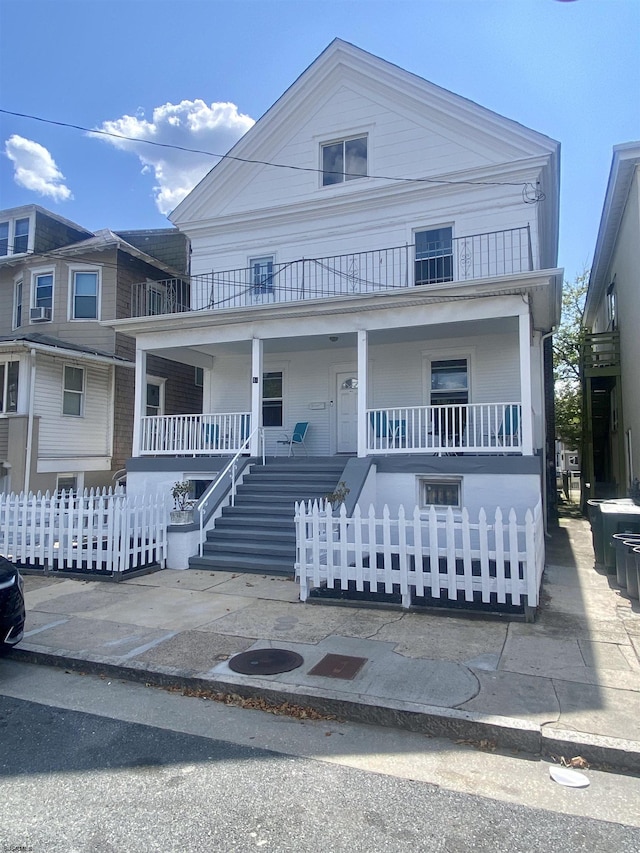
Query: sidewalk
[567, 685]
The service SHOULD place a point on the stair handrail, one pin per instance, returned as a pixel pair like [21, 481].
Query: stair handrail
[201, 505]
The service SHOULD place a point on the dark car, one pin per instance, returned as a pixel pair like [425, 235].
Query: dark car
[12, 611]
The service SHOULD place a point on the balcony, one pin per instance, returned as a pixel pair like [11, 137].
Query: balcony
[601, 354]
[462, 259]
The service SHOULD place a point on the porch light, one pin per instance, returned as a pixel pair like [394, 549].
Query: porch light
[333, 338]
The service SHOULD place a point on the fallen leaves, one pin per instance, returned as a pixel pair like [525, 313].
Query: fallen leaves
[255, 703]
[484, 743]
[576, 761]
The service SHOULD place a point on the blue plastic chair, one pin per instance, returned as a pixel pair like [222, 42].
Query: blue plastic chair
[297, 437]
[210, 435]
[510, 427]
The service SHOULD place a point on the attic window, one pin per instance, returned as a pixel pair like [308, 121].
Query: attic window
[344, 160]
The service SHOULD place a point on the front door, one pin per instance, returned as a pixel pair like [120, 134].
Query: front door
[347, 412]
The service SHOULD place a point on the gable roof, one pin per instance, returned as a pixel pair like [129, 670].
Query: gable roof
[338, 62]
[626, 158]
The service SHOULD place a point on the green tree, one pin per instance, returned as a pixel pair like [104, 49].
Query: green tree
[567, 342]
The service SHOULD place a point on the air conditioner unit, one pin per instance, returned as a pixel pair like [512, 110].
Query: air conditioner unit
[40, 315]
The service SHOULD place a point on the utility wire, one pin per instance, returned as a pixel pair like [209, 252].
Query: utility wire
[530, 193]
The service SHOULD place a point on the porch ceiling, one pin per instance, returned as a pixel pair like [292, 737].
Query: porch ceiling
[344, 340]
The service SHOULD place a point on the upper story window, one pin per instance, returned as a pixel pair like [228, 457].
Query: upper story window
[17, 304]
[434, 255]
[262, 274]
[344, 160]
[8, 386]
[612, 307]
[14, 236]
[84, 294]
[41, 296]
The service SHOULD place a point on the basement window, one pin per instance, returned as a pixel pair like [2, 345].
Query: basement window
[440, 492]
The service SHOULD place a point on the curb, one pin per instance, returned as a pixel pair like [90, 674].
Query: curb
[504, 732]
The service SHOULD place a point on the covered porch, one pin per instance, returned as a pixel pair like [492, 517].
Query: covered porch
[441, 379]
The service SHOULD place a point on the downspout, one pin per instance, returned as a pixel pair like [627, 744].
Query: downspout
[32, 394]
[543, 338]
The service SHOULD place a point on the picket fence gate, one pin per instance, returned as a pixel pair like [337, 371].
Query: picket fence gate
[436, 556]
[94, 531]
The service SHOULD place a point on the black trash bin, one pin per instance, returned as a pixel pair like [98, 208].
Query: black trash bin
[636, 553]
[617, 517]
[632, 569]
[620, 542]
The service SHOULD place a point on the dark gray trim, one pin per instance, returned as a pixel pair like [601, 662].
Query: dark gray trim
[187, 464]
[422, 464]
[354, 476]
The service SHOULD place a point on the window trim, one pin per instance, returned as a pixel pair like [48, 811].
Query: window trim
[446, 354]
[160, 382]
[35, 275]
[5, 386]
[350, 137]
[81, 394]
[276, 368]
[84, 268]
[443, 480]
[262, 288]
[426, 229]
[18, 282]
[11, 222]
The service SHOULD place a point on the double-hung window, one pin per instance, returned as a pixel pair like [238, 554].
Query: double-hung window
[155, 397]
[434, 256]
[42, 294]
[272, 399]
[8, 386]
[344, 160]
[84, 294]
[17, 304]
[262, 274]
[73, 391]
[14, 236]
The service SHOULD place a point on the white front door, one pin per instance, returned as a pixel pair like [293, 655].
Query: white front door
[347, 412]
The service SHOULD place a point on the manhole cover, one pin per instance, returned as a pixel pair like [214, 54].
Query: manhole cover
[265, 662]
[338, 666]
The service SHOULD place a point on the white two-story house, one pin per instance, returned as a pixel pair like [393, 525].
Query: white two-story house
[375, 258]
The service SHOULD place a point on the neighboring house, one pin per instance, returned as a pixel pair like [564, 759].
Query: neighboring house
[376, 258]
[611, 454]
[66, 381]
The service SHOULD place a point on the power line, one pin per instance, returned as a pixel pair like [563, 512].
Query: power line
[530, 193]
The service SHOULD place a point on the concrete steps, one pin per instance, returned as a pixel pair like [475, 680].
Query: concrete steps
[257, 535]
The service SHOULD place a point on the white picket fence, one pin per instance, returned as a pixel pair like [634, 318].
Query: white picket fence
[94, 531]
[435, 556]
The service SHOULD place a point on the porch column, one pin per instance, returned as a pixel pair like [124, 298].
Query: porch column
[524, 335]
[256, 394]
[362, 392]
[139, 399]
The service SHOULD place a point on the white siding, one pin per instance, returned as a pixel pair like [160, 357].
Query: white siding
[62, 436]
[520, 491]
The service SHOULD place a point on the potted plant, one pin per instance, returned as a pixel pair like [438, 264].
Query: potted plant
[338, 496]
[183, 505]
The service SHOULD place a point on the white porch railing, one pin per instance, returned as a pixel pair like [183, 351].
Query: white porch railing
[469, 427]
[100, 531]
[194, 434]
[440, 555]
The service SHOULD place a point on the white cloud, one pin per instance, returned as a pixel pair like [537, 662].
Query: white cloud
[35, 169]
[190, 124]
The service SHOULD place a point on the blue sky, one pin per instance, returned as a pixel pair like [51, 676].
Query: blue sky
[197, 72]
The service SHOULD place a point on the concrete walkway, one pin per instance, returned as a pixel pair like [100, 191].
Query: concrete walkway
[567, 685]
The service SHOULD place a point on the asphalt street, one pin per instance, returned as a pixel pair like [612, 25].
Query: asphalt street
[85, 778]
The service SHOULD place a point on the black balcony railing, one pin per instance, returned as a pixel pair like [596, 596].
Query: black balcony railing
[461, 259]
